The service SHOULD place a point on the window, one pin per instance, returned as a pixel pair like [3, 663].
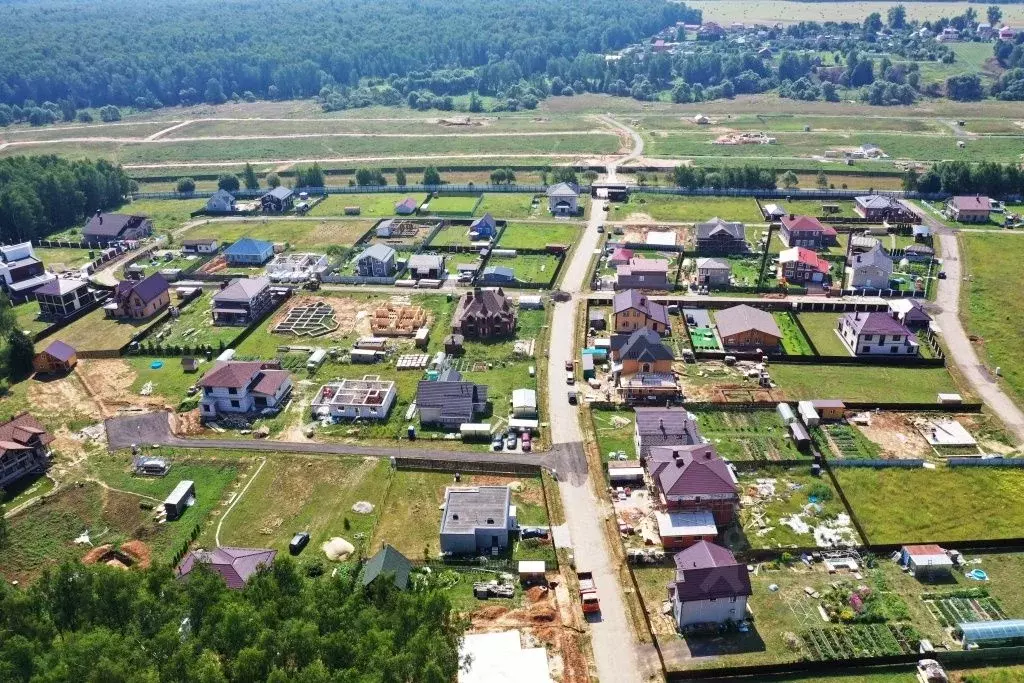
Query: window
[732, 599]
[235, 403]
[232, 391]
[868, 337]
[893, 349]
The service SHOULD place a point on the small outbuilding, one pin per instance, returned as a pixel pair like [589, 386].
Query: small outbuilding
[388, 562]
[928, 562]
[180, 499]
[57, 358]
[829, 408]
[532, 571]
[524, 403]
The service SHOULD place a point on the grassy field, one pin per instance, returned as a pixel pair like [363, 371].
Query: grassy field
[460, 205]
[537, 236]
[994, 307]
[317, 235]
[821, 328]
[371, 204]
[688, 209]
[862, 383]
[275, 149]
[528, 267]
[169, 380]
[610, 436]
[294, 493]
[512, 205]
[69, 258]
[411, 518]
[27, 316]
[451, 235]
[95, 332]
[813, 207]
[985, 503]
[794, 343]
[166, 214]
[194, 326]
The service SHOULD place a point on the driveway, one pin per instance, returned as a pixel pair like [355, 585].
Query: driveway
[154, 429]
[960, 348]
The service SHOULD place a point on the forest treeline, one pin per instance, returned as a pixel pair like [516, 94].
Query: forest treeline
[97, 623]
[147, 55]
[40, 195]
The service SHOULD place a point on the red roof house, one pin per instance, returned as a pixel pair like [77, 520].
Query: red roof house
[798, 265]
[694, 478]
[806, 231]
[236, 565]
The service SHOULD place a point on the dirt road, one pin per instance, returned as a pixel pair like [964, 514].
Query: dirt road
[960, 348]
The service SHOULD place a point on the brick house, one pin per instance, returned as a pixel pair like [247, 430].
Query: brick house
[798, 265]
[806, 231]
[692, 478]
[745, 327]
[484, 314]
[632, 310]
[139, 299]
[969, 209]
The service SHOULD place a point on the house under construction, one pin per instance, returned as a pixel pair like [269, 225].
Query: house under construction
[397, 320]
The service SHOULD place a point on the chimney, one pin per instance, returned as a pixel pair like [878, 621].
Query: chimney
[791, 216]
[707, 454]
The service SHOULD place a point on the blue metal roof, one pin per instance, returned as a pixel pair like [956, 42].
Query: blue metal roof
[1003, 629]
[248, 245]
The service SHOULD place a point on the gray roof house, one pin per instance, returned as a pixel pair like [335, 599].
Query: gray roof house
[563, 200]
[718, 236]
[278, 200]
[449, 401]
[243, 301]
[388, 562]
[104, 228]
[428, 266]
[663, 427]
[476, 520]
[713, 272]
[642, 346]
[378, 260]
[498, 275]
[221, 201]
[870, 269]
[877, 334]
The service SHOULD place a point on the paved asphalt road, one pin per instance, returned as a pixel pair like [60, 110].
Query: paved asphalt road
[961, 351]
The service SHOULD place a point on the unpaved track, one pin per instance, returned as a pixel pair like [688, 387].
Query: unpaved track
[335, 160]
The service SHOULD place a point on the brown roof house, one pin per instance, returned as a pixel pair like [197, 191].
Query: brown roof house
[642, 366]
[56, 358]
[693, 478]
[23, 448]
[235, 565]
[643, 273]
[632, 310]
[485, 314]
[243, 387]
[747, 328]
[663, 427]
[710, 586]
[104, 228]
[139, 299]
[877, 334]
[974, 209]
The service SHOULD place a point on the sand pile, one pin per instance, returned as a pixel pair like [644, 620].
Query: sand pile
[338, 549]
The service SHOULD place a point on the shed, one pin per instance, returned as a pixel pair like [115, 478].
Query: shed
[524, 403]
[532, 571]
[531, 301]
[808, 414]
[621, 471]
[180, 499]
[926, 561]
[388, 562]
[800, 436]
[422, 337]
[189, 364]
[587, 365]
[829, 408]
[786, 413]
[597, 320]
[453, 344]
[681, 529]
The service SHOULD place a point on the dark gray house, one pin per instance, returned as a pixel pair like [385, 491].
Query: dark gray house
[243, 301]
[378, 260]
[104, 228]
[719, 237]
[450, 401]
[476, 520]
[663, 427]
[278, 200]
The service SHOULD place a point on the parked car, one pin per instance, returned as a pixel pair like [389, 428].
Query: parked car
[942, 275]
[532, 532]
[569, 378]
[527, 442]
[498, 443]
[465, 277]
[298, 542]
[568, 365]
[600, 229]
[572, 398]
[511, 441]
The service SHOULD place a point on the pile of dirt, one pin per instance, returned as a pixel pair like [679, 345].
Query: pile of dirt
[338, 549]
[130, 554]
[138, 551]
[94, 555]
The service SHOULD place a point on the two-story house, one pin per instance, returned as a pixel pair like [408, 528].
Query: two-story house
[642, 366]
[798, 265]
[720, 237]
[713, 272]
[632, 310]
[450, 401]
[692, 478]
[242, 301]
[378, 260]
[62, 297]
[806, 231]
[139, 299]
[877, 334]
[221, 201]
[643, 273]
[278, 200]
[484, 314]
[870, 269]
[710, 587]
[563, 200]
[243, 387]
[662, 427]
[21, 273]
[23, 448]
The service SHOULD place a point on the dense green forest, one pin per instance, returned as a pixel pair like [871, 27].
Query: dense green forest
[40, 195]
[147, 54]
[96, 623]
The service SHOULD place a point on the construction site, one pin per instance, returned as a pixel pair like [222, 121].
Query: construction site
[749, 138]
[395, 319]
[308, 320]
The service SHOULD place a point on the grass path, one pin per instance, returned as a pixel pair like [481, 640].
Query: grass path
[220, 522]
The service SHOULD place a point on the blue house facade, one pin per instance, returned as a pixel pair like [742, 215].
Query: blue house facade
[249, 252]
[484, 227]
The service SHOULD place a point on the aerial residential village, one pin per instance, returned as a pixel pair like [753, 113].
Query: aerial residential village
[745, 442]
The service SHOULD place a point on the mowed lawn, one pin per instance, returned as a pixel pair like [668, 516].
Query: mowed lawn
[459, 205]
[317, 235]
[512, 205]
[685, 209]
[528, 267]
[862, 383]
[69, 258]
[95, 332]
[537, 235]
[373, 204]
[916, 505]
[166, 214]
[995, 307]
[411, 518]
[821, 328]
[292, 494]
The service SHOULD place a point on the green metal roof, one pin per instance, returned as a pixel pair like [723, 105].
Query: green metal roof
[388, 561]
